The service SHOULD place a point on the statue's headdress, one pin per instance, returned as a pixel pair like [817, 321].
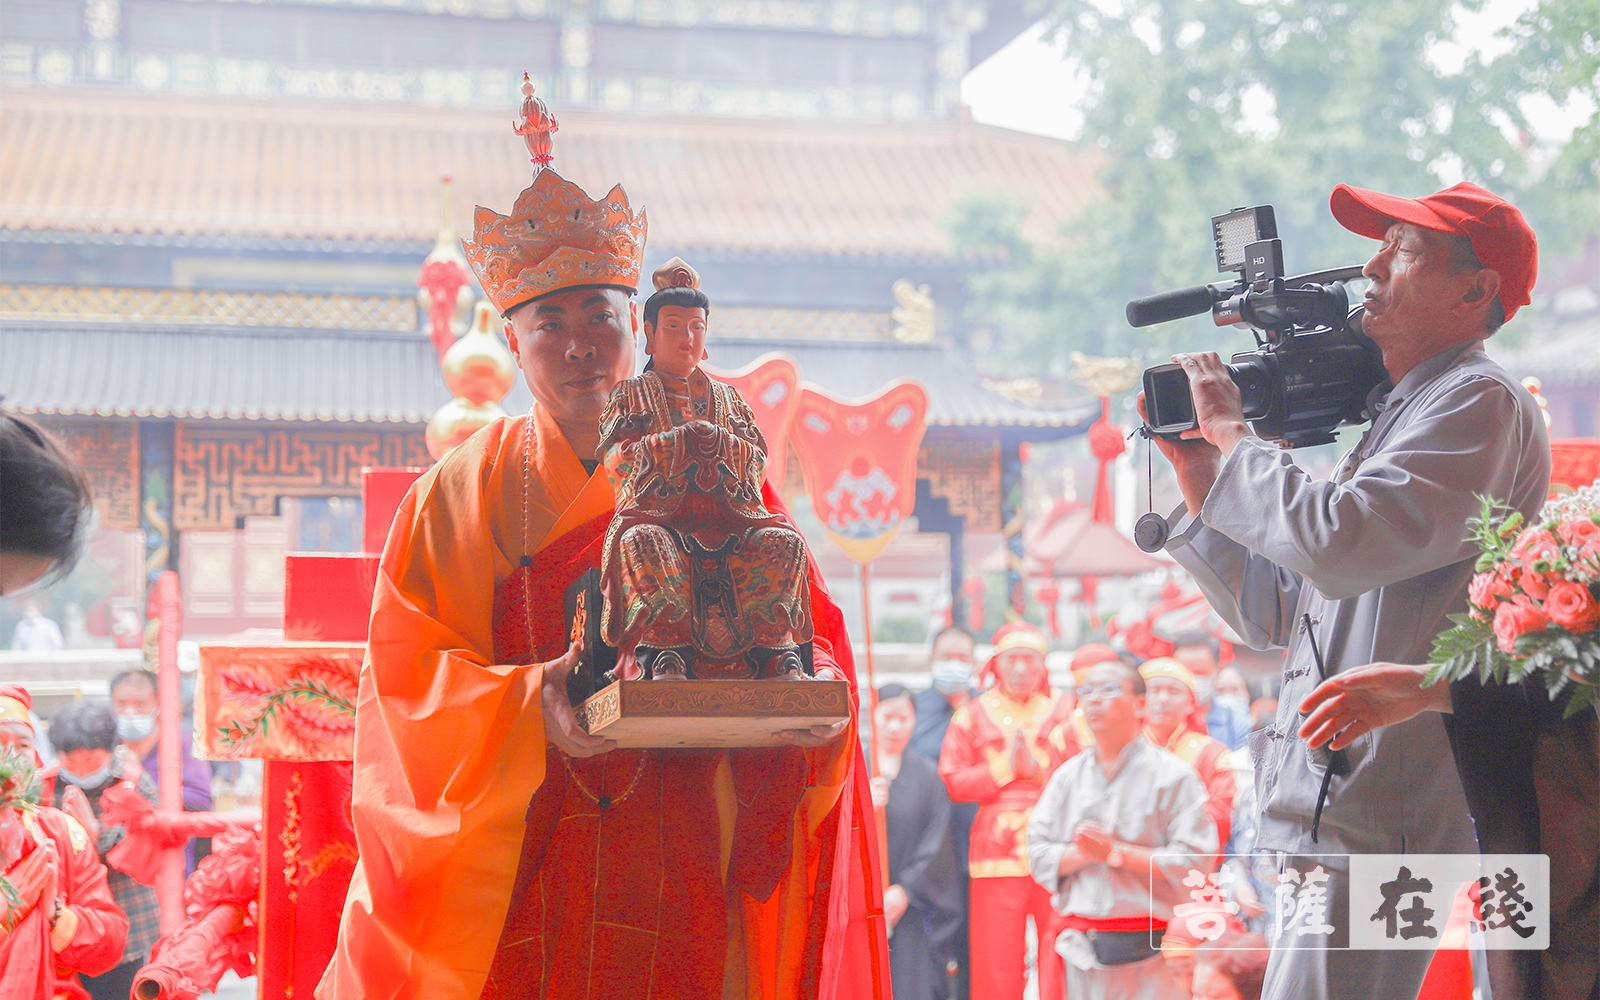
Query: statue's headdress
[677, 284]
[556, 236]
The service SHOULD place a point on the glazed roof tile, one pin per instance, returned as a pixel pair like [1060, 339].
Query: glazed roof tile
[136, 163]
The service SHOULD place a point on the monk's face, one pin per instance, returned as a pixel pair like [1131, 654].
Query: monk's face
[573, 348]
[676, 341]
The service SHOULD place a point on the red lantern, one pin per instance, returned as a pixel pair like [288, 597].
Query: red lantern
[1106, 443]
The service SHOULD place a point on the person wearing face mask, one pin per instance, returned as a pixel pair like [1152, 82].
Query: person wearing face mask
[1224, 721]
[85, 733]
[1001, 748]
[1231, 688]
[951, 662]
[133, 698]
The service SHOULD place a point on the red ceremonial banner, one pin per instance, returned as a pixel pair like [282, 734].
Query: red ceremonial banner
[770, 386]
[860, 462]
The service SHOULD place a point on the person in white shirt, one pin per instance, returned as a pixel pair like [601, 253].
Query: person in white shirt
[1114, 834]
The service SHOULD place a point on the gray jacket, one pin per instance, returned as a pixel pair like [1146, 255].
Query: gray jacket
[1377, 556]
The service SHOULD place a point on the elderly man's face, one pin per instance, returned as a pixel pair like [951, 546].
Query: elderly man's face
[1022, 672]
[14, 733]
[574, 347]
[1415, 284]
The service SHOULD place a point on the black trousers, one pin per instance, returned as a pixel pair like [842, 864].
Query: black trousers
[1532, 781]
[116, 984]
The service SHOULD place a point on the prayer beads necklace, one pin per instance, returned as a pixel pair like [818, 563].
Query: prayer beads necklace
[603, 801]
[606, 801]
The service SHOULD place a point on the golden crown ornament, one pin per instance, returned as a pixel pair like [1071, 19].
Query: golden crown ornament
[556, 236]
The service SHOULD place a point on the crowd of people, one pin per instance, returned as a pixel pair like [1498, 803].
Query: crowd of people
[97, 745]
[1010, 802]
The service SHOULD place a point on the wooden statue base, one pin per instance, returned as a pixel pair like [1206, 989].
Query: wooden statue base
[711, 713]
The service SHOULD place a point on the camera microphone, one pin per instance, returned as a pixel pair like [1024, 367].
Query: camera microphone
[1170, 305]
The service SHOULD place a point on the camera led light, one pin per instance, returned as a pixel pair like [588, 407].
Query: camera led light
[1237, 230]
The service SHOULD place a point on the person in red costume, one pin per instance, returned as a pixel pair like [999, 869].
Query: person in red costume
[1001, 748]
[58, 919]
[1173, 720]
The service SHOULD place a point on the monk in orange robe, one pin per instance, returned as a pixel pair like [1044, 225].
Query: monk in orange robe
[504, 851]
[1000, 750]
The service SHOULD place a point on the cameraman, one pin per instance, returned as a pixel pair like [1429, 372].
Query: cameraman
[1374, 559]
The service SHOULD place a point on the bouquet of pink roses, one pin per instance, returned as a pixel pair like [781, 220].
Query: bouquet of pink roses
[1534, 604]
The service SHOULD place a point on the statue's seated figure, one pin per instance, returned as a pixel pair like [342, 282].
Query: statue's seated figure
[700, 579]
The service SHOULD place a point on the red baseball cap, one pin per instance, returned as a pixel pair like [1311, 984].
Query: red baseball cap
[1500, 236]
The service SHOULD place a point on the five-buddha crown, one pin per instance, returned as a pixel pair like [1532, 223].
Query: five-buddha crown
[556, 238]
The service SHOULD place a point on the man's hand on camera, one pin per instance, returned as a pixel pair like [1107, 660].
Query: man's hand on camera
[1196, 462]
[560, 721]
[1217, 408]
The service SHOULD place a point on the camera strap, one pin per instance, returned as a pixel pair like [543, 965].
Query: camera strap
[1337, 760]
[1150, 532]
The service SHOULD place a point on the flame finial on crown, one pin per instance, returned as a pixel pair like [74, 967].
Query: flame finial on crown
[556, 237]
[536, 125]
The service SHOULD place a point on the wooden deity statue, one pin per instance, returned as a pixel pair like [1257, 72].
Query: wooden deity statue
[700, 579]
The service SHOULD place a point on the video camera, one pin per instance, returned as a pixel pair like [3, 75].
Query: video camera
[1312, 368]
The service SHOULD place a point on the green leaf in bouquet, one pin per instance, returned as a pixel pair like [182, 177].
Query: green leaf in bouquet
[1464, 650]
[1583, 695]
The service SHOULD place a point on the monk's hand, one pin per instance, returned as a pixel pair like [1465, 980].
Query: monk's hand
[1092, 841]
[560, 721]
[815, 736]
[1352, 703]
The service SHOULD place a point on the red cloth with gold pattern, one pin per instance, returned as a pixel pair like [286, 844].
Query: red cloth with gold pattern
[640, 867]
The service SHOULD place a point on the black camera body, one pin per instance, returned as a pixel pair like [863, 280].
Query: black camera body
[1312, 368]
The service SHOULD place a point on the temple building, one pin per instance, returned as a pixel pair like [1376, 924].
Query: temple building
[213, 217]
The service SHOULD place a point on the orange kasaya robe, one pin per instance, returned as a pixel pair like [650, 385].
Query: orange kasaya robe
[483, 848]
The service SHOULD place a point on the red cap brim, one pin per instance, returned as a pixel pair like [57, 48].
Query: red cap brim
[1371, 213]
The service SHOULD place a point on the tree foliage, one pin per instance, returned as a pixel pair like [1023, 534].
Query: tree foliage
[1200, 106]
